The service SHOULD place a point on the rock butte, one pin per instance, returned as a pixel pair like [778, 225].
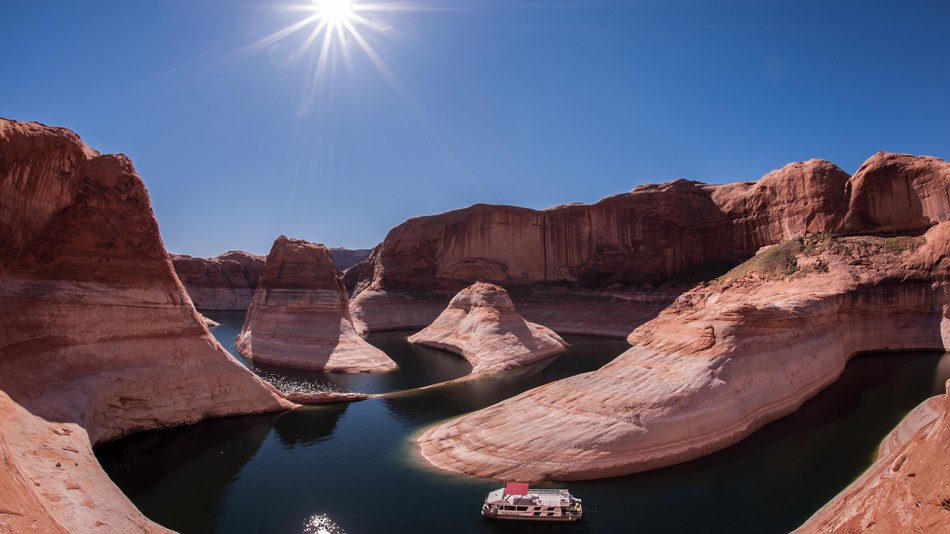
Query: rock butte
[300, 318]
[97, 336]
[718, 364]
[482, 324]
[226, 282]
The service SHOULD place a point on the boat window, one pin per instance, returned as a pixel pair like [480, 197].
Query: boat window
[521, 508]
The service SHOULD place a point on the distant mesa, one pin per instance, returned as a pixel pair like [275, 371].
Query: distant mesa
[344, 258]
[482, 324]
[226, 282]
[299, 316]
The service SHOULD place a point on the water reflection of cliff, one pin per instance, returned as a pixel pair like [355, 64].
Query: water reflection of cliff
[584, 354]
[180, 477]
[308, 424]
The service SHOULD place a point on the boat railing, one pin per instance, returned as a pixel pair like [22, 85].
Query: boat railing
[548, 491]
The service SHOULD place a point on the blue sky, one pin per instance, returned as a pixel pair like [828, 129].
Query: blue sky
[512, 102]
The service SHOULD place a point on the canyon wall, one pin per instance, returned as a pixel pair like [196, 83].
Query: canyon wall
[620, 250]
[723, 360]
[97, 336]
[300, 317]
[225, 282]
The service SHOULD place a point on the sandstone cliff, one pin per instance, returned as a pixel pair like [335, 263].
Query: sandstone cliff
[97, 337]
[602, 256]
[482, 324]
[300, 318]
[722, 361]
[226, 282]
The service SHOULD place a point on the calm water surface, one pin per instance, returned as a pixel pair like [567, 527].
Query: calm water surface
[353, 468]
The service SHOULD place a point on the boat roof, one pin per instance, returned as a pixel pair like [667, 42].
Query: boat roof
[516, 488]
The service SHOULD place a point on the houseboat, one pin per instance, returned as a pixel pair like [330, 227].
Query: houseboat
[518, 501]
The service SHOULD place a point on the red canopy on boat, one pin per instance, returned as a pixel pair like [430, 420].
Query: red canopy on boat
[516, 488]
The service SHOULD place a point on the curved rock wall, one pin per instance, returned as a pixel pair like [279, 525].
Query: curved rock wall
[97, 336]
[898, 192]
[628, 245]
[719, 363]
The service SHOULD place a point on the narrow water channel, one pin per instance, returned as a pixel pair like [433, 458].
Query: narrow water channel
[353, 468]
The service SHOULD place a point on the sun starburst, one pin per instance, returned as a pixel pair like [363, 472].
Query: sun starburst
[330, 29]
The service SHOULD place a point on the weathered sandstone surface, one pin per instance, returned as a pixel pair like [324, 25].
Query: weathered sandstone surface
[97, 336]
[300, 317]
[719, 363]
[624, 247]
[482, 324]
[906, 489]
[226, 282]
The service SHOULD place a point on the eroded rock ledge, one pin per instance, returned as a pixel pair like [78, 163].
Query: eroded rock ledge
[719, 363]
[482, 324]
[97, 337]
[300, 315]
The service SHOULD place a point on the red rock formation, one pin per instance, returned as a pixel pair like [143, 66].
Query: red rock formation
[906, 489]
[226, 282]
[719, 363]
[344, 258]
[97, 337]
[800, 197]
[482, 324]
[898, 192]
[300, 318]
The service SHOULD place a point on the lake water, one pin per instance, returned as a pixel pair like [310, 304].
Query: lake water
[353, 468]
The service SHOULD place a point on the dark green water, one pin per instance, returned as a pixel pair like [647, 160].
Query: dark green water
[354, 468]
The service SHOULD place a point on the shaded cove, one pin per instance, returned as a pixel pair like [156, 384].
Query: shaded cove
[357, 468]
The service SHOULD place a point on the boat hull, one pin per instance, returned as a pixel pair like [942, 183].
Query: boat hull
[514, 517]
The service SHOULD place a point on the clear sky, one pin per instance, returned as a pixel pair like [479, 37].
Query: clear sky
[531, 103]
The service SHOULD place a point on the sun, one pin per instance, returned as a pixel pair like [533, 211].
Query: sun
[334, 12]
[328, 31]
